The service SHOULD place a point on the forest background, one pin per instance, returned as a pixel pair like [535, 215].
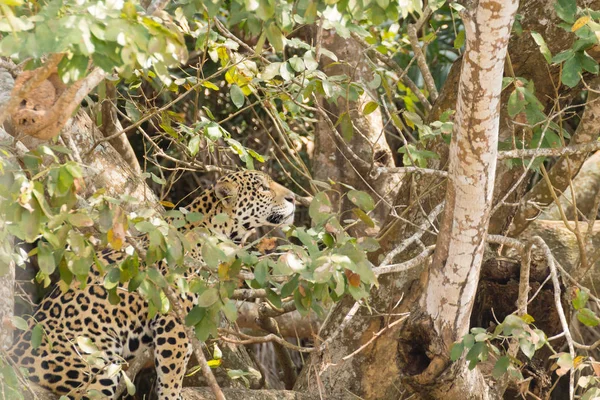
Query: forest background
[443, 155]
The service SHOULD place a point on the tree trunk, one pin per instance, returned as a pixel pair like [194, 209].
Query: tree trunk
[370, 374]
[451, 280]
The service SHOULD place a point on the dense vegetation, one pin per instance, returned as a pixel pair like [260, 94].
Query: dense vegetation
[353, 106]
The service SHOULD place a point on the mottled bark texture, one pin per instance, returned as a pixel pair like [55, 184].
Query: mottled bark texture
[368, 141]
[7, 304]
[451, 279]
[565, 169]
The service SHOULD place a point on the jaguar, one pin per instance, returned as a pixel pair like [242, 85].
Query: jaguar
[250, 199]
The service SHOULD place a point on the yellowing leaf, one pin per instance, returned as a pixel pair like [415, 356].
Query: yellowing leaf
[114, 239]
[167, 204]
[210, 85]
[214, 363]
[370, 107]
[580, 23]
[527, 318]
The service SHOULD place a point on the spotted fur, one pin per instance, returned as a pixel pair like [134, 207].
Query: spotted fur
[251, 199]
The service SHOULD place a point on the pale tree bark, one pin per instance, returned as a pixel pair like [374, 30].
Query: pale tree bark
[452, 278]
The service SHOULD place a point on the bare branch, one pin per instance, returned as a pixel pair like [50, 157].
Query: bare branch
[539, 242]
[407, 170]
[412, 263]
[422, 62]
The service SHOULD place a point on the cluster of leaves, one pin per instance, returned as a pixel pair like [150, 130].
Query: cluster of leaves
[112, 34]
[327, 264]
[585, 24]
[479, 344]
[39, 207]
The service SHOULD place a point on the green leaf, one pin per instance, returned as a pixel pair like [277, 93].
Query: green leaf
[543, 46]
[364, 217]
[320, 208]
[275, 37]
[588, 317]
[563, 56]
[570, 73]
[194, 145]
[80, 220]
[265, 10]
[37, 334]
[20, 323]
[516, 104]
[527, 347]
[566, 10]
[469, 341]
[345, 124]
[195, 315]
[474, 354]
[297, 64]
[157, 179]
[500, 367]
[580, 299]
[208, 297]
[457, 351]
[237, 96]
[111, 280]
[46, 258]
[261, 272]
[361, 199]
[370, 107]
[588, 63]
[459, 41]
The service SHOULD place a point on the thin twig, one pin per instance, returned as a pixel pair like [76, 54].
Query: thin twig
[393, 65]
[550, 152]
[539, 242]
[405, 266]
[407, 170]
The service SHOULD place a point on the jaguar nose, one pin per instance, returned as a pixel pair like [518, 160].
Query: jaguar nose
[290, 198]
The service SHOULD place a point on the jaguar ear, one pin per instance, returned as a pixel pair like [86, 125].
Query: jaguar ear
[227, 193]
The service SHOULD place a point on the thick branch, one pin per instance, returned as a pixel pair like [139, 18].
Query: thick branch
[41, 75]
